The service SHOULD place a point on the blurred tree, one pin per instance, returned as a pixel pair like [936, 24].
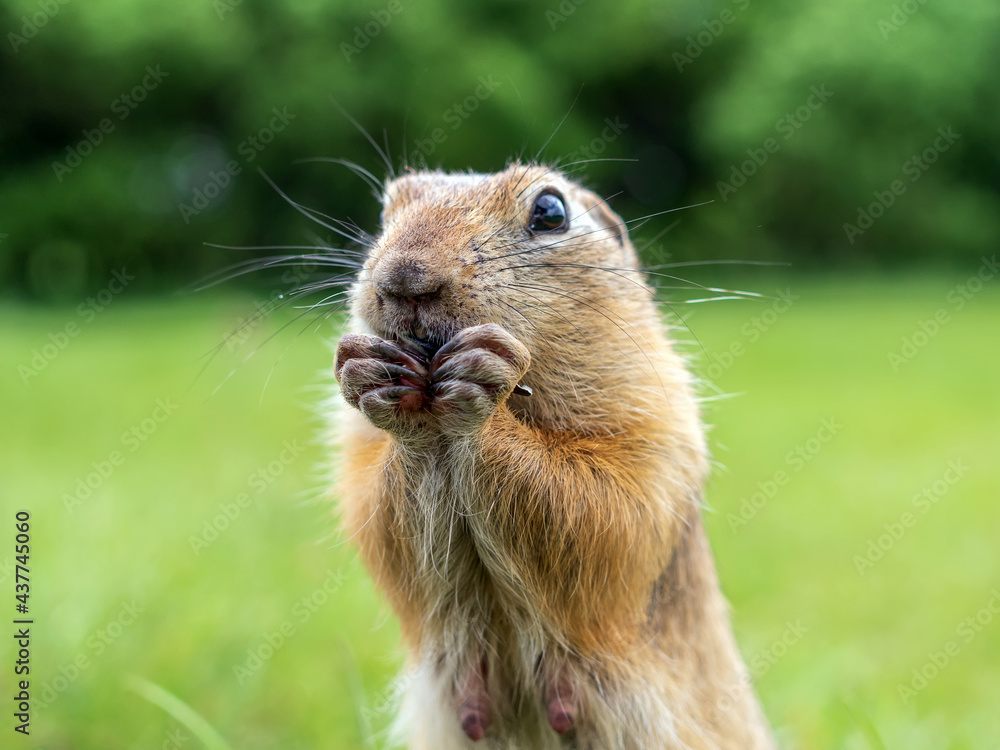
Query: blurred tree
[133, 131]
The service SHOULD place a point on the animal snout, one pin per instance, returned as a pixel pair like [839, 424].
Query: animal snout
[406, 278]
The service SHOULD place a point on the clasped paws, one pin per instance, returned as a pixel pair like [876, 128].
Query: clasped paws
[455, 393]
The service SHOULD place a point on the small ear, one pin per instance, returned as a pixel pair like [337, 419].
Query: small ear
[610, 219]
[389, 193]
[398, 192]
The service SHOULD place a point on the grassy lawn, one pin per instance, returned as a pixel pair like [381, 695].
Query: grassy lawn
[270, 631]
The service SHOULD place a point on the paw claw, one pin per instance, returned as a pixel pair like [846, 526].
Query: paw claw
[390, 351]
[460, 387]
[490, 337]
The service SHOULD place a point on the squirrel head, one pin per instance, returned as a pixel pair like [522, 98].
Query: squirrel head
[526, 248]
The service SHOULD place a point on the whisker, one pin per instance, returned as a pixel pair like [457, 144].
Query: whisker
[358, 234]
[681, 264]
[371, 180]
[256, 349]
[709, 299]
[657, 236]
[385, 141]
[406, 120]
[524, 170]
[574, 238]
[378, 149]
[245, 268]
[274, 367]
[589, 161]
[307, 212]
[525, 189]
[554, 312]
[332, 250]
[594, 307]
[620, 271]
[323, 302]
[563, 120]
[524, 120]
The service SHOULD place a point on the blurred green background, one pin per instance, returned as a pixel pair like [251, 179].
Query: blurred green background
[197, 594]
[693, 91]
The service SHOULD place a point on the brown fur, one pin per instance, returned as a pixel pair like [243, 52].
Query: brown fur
[544, 554]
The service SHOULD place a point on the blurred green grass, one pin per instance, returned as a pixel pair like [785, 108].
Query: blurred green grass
[792, 562]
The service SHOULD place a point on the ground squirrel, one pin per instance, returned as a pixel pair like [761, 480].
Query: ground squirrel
[523, 473]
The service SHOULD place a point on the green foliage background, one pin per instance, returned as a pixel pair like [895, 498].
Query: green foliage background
[215, 584]
[696, 84]
[686, 92]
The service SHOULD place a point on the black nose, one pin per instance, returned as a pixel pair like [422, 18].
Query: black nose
[406, 278]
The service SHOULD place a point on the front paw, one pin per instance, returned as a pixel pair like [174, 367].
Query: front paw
[388, 384]
[454, 394]
[472, 374]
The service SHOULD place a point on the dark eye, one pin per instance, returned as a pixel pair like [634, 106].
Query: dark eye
[548, 214]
